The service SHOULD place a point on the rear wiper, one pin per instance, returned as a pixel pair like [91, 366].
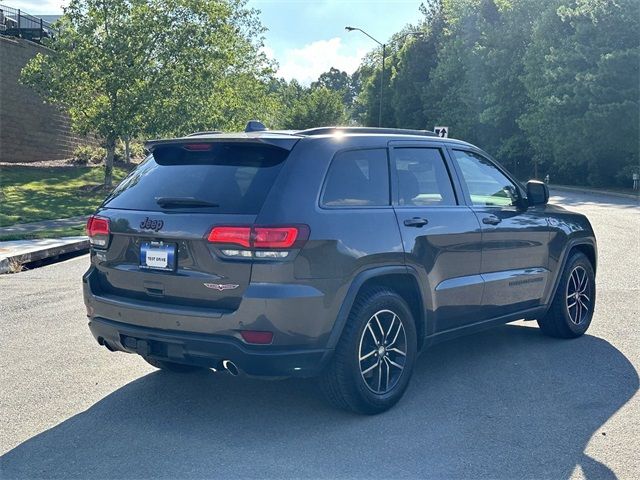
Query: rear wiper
[183, 202]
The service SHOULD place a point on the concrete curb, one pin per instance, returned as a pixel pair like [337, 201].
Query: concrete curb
[595, 192]
[25, 251]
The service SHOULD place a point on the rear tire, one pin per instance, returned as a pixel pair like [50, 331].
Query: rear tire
[172, 366]
[374, 359]
[571, 310]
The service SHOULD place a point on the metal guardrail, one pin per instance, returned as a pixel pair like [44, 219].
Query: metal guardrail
[16, 23]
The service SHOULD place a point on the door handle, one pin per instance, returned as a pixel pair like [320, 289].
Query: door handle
[417, 222]
[491, 220]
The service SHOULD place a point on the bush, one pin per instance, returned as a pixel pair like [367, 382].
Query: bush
[86, 154]
[136, 150]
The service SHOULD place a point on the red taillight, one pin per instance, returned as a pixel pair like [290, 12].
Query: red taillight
[231, 235]
[254, 336]
[98, 230]
[259, 237]
[97, 226]
[276, 237]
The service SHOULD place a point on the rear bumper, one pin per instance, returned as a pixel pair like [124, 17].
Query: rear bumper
[205, 337]
[208, 350]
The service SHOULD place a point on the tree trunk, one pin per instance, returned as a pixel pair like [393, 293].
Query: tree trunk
[108, 163]
[127, 149]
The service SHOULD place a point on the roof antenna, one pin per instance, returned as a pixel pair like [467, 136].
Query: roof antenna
[255, 126]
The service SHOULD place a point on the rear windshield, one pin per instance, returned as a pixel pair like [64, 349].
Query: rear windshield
[228, 178]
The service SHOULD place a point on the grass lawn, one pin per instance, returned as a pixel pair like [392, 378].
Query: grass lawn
[30, 194]
[53, 233]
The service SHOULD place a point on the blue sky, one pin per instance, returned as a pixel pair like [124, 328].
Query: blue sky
[308, 37]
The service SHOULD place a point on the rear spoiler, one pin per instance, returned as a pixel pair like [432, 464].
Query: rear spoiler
[279, 140]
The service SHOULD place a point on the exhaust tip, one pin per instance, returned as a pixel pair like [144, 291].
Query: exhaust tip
[230, 367]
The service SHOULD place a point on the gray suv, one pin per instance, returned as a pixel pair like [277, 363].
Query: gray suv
[337, 253]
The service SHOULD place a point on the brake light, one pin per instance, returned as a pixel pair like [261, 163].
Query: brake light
[231, 235]
[277, 237]
[197, 147]
[263, 239]
[98, 230]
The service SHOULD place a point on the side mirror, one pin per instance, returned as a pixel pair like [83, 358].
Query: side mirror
[537, 192]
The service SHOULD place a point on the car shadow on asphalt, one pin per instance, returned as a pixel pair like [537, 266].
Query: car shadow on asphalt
[505, 403]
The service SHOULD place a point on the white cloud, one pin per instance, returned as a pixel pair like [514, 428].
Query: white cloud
[41, 7]
[307, 63]
[268, 51]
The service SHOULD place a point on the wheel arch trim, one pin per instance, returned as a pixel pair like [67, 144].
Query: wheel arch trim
[573, 243]
[355, 288]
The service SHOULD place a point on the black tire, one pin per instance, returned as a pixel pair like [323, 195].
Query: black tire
[172, 366]
[344, 383]
[563, 320]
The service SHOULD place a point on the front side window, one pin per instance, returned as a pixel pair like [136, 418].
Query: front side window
[423, 179]
[486, 184]
[358, 178]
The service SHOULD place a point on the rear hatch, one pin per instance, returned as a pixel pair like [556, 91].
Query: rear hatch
[158, 221]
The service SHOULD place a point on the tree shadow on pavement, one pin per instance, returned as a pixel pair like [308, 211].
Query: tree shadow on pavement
[506, 403]
[578, 199]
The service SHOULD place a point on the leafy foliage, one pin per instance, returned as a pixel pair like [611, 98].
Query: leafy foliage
[306, 107]
[546, 86]
[127, 68]
[583, 82]
[87, 154]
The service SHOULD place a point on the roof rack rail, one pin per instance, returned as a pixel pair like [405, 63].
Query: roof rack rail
[381, 130]
[207, 132]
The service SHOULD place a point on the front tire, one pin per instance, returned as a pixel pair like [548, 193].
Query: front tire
[571, 310]
[374, 358]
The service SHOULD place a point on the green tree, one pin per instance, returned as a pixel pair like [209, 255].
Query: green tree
[534, 83]
[314, 107]
[413, 102]
[584, 85]
[409, 61]
[338, 81]
[480, 70]
[124, 68]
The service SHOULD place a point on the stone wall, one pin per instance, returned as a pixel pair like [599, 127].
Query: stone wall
[30, 130]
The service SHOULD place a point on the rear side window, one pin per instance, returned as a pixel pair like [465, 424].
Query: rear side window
[358, 178]
[228, 178]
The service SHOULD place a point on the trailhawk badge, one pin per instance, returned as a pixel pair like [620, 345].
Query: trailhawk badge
[221, 286]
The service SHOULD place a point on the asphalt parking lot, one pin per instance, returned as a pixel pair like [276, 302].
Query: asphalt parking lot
[505, 403]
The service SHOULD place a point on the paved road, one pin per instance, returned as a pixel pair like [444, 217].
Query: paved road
[507, 403]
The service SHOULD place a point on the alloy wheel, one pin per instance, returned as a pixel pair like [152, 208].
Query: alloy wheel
[578, 299]
[383, 351]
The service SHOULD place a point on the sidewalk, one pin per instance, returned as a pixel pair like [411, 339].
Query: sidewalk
[43, 225]
[18, 252]
[14, 253]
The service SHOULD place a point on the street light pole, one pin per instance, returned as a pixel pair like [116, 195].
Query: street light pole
[384, 55]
